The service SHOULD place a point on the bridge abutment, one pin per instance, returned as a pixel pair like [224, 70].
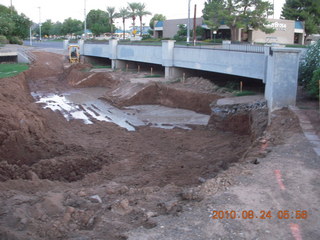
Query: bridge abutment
[282, 78]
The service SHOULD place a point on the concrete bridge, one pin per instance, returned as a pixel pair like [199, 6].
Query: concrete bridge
[276, 67]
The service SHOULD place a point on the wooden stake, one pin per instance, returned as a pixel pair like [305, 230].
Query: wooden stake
[241, 86]
[151, 71]
[127, 67]
[183, 77]
[138, 68]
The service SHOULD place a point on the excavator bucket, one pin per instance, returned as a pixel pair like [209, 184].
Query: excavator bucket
[74, 53]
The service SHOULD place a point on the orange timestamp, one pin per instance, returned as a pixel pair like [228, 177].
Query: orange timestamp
[251, 214]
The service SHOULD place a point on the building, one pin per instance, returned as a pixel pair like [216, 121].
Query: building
[169, 28]
[286, 31]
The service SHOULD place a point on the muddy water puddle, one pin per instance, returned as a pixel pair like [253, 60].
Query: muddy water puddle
[85, 104]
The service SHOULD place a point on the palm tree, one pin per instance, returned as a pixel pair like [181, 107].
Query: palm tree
[112, 15]
[142, 12]
[133, 8]
[124, 14]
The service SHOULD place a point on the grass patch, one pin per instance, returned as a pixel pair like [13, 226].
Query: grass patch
[12, 69]
[244, 93]
[153, 76]
[56, 40]
[296, 46]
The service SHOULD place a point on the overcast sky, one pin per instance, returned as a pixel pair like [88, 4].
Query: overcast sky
[58, 10]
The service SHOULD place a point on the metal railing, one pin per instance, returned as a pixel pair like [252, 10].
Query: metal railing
[92, 41]
[248, 48]
[226, 47]
[141, 43]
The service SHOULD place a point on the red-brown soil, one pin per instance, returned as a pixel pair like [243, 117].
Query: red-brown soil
[68, 180]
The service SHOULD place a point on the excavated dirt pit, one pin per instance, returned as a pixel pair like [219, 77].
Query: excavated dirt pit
[84, 104]
[73, 168]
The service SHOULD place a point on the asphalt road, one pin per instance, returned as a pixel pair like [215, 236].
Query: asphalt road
[45, 44]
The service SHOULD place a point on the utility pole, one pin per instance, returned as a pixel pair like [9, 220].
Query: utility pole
[30, 36]
[85, 19]
[188, 25]
[40, 24]
[11, 6]
[195, 25]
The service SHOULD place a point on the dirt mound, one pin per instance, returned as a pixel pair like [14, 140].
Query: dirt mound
[23, 131]
[46, 65]
[159, 94]
[79, 75]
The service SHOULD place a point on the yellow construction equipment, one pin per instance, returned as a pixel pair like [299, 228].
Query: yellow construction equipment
[74, 53]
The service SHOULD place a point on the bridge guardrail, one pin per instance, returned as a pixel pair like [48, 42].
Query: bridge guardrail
[229, 47]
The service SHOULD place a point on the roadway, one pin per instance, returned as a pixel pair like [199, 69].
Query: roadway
[45, 44]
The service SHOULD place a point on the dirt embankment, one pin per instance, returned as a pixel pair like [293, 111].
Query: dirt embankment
[23, 130]
[161, 94]
[68, 180]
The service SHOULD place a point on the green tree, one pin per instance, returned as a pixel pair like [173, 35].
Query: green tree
[12, 24]
[98, 22]
[123, 14]
[133, 8]
[181, 33]
[309, 71]
[141, 12]
[46, 28]
[211, 13]
[156, 18]
[56, 29]
[237, 14]
[22, 25]
[6, 27]
[71, 26]
[307, 11]
[112, 15]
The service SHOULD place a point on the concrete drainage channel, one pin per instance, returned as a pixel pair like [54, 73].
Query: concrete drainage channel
[84, 104]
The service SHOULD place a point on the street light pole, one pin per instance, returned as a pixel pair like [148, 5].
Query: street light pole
[273, 9]
[85, 19]
[40, 24]
[188, 25]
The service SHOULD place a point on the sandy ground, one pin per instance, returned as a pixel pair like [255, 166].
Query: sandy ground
[66, 180]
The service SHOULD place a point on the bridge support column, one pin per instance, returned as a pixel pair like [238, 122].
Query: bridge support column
[173, 73]
[167, 58]
[118, 64]
[282, 78]
[113, 45]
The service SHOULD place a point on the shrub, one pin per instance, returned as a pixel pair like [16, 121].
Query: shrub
[3, 40]
[146, 37]
[217, 40]
[313, 85]
[15, 40]
[308, 67]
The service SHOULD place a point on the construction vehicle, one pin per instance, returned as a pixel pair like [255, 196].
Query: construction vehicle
[74, 53]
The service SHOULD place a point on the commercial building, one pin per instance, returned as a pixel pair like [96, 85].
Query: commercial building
[286, 31]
